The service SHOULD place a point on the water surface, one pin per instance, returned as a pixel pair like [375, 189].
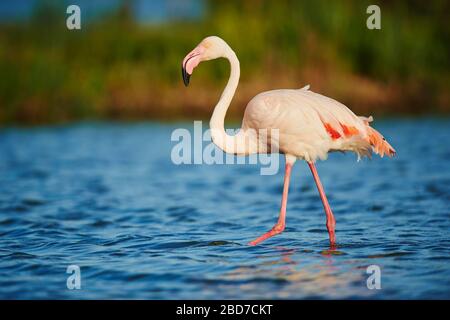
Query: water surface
[107, 197]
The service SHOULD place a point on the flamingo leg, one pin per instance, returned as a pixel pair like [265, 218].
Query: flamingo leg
[280, 225]
[331, 222]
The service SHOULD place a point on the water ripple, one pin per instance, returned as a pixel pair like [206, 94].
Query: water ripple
[107, 198]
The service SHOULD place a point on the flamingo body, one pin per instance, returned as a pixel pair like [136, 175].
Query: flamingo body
[311, 125]
[308, 125]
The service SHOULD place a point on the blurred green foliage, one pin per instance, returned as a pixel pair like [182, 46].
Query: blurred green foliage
[117, 68]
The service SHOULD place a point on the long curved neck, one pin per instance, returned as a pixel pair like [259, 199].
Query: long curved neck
[231, 144]
[218, 116]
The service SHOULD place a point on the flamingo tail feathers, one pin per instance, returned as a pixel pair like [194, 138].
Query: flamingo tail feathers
[379, 143]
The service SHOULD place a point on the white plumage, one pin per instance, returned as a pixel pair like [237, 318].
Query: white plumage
[301, 115]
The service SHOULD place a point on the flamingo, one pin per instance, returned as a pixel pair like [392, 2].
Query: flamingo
[309, 126]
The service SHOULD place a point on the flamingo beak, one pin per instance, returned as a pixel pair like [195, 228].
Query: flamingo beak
[190, 62]
[185, 75]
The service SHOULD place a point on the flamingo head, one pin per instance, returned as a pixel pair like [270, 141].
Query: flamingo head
[208, 49]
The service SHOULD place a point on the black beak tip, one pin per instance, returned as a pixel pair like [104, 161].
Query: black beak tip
[185, 75]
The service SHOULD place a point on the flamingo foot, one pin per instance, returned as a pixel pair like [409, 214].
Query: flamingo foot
[332, 238]
[331, 230]
[331, 222]
[278, 228]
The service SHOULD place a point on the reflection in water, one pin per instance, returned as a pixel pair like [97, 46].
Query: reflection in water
[292, 276]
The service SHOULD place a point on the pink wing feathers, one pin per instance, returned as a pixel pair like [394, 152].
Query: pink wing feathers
[313, 124]
[341, 123]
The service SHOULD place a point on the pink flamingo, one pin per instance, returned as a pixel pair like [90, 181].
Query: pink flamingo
[309, 126]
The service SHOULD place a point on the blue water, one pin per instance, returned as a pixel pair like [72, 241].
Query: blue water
[106, 197]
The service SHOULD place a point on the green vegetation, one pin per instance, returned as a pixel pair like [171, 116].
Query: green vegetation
[115, 68]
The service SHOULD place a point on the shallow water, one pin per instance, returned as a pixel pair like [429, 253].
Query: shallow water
[106, 197]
